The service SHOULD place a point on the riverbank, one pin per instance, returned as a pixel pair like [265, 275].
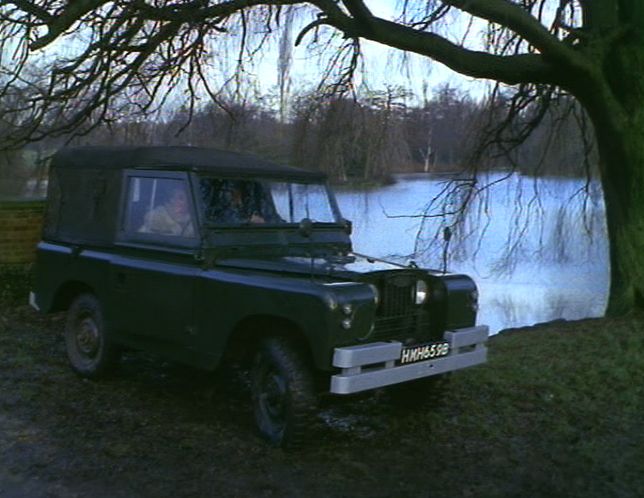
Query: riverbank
[557, 411]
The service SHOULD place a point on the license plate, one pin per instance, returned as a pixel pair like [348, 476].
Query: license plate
[424, 352]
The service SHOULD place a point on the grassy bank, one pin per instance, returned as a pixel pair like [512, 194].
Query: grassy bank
[557, 411]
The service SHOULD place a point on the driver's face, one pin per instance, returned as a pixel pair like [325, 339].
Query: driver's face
[179, 202]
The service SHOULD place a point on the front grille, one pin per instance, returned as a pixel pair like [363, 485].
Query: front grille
[396, 298]
[412, 325]
[398, 317]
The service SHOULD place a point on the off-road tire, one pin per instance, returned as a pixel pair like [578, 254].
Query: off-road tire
[90, 351]
[283, 393]
[421, 394]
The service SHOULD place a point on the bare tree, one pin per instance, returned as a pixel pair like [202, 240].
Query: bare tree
[351, 139]
[441, 132]
[591, 49]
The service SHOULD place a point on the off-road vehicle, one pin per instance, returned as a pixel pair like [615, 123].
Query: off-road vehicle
[201, 255]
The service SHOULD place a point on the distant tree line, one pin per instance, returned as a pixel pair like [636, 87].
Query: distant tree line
[362, 140]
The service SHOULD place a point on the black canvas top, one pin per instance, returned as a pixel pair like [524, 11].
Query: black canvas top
[199, 159]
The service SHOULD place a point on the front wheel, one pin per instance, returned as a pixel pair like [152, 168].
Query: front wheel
[89, 348]
[284, 400]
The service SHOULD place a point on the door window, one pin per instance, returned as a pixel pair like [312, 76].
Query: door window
[159, 206]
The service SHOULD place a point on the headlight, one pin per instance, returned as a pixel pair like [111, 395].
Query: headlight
[376, 294]
[421, 292]
[347, 309]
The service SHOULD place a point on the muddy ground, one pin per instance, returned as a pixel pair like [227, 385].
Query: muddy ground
[157, 429]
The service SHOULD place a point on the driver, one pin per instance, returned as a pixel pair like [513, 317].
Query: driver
[236, 207]
[171, 218]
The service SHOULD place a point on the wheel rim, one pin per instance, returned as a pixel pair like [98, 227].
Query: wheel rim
[272, 398]
[87, 337]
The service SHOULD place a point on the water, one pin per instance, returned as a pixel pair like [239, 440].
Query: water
[537, 250]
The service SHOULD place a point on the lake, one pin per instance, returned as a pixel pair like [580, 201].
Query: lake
[537, 248]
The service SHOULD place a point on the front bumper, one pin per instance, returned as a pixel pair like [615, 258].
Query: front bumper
[369, 366]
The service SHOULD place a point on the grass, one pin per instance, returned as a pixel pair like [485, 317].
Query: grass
[557, 411]
[560, 409]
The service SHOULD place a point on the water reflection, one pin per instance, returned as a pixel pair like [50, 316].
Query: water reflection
[537, 250]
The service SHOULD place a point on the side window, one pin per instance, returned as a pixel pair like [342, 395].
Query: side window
[158, 206]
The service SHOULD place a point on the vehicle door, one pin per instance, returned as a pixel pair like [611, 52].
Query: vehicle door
[153, 276]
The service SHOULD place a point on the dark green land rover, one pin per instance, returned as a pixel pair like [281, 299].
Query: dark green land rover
[201, 255]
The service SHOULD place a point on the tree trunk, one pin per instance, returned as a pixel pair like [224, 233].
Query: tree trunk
[624, 196]
[621, 150]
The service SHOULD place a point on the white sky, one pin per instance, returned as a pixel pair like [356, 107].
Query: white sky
[382, 65]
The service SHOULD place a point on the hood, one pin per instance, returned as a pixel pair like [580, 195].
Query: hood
[342, 267]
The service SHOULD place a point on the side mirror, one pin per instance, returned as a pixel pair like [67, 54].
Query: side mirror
[306, 227]
[347, 226]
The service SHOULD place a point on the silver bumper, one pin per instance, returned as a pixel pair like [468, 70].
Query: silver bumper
[373, 365]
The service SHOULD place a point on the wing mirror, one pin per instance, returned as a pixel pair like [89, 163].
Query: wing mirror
[347, 226]
[306, 227]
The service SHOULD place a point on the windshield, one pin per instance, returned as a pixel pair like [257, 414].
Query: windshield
[249, 202]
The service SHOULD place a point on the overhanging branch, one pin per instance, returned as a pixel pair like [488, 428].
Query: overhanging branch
[523, 23]
[64, 20]
[510, 69]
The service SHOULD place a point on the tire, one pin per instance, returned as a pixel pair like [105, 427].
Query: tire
[283, 393]
[90, 351]
[419, 394]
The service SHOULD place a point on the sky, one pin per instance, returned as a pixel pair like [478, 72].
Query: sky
[381, 65]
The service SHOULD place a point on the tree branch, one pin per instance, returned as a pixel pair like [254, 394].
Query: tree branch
[59, 22]
[62, 22]
[32, 9]
[511, 69]
[519, 20]
[359, 11]
[195, 11]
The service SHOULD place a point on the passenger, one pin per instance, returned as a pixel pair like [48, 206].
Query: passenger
[171, 218]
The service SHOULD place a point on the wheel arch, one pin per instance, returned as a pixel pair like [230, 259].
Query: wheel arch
[248, 332]
[67, 292]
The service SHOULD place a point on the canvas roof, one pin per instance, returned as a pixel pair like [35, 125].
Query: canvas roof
[198, 159]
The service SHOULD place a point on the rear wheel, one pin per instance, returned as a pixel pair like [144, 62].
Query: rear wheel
[284, 400]
[89, 348]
